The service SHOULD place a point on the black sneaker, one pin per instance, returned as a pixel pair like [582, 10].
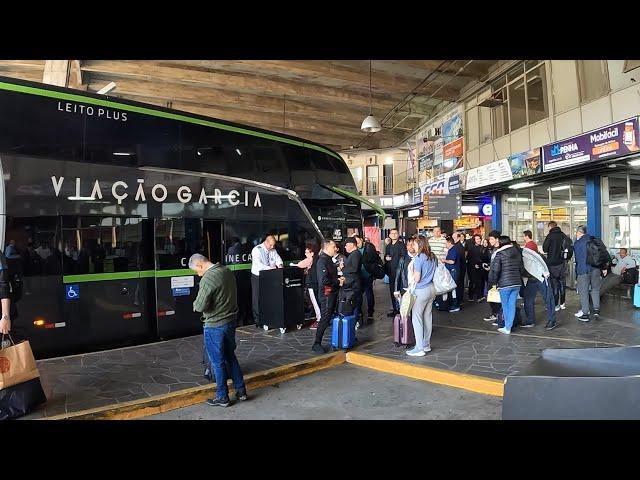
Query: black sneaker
[584, 318]
[218, 402]
[242, 396]
[550, 326]
[596, 312]
[318, 348]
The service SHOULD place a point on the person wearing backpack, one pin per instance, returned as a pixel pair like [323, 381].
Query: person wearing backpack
[369, 264]
[559, 250]
[590, 260]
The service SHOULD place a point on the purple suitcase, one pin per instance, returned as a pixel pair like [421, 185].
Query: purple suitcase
[403, 332]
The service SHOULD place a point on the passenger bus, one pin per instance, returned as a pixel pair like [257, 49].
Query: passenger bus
[104, 200]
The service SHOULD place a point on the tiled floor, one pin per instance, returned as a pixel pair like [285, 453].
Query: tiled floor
[462, 342]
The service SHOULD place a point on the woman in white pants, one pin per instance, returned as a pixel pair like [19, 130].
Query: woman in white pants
[424, 266]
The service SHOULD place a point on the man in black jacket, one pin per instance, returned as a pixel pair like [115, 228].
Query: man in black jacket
[559, 249]
[328, 285]
[395, 250]
[351, 274]
[370, 259]
[475, 253]
[459, 244]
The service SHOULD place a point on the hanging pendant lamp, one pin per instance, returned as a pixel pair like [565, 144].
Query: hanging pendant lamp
[370, 124]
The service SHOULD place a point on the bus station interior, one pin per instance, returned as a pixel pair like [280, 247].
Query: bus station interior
[518, 143]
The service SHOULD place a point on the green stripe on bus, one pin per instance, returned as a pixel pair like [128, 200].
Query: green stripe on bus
[174, 273]
[157, 113]
[98, 277]
[239, 266]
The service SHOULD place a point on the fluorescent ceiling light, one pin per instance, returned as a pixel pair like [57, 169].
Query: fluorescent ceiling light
[107, 88]
[521, 185]
[122, 154]
[519, 199]
[575, 202]
[560, 187]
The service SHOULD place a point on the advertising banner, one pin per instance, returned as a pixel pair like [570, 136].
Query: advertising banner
[612, 141]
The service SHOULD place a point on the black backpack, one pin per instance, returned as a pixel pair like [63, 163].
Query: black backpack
[597, 254]
[346, 302]
[567, 248]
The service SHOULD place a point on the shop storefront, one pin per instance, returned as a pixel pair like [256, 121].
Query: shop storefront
[592, 179]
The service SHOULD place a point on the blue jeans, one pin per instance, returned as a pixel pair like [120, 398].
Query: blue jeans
[508, 297]
[221, 343]
[530, 292]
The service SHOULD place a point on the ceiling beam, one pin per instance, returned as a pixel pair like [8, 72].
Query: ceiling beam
[313, 71]
[37, 65]
[312, 130]
[29, 75]
[238, 83]
[187, 98]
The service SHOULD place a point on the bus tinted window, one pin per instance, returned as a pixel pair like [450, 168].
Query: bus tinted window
[32, 241]
[101, 245]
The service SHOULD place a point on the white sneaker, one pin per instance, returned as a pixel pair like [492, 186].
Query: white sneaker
[416, 353]
[505, 331]
[557, 308]
[426, 349]
[563, 306]
[579, 314]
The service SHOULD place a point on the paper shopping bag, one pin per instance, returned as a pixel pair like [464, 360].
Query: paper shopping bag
[17, 364]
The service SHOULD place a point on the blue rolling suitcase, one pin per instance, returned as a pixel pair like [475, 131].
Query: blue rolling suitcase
[636, 295]
[343, 332]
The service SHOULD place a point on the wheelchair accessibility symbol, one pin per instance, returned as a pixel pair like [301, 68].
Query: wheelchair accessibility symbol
[72, 292]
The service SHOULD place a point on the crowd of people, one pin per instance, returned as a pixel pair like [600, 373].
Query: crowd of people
[499, 271]
[495, 269]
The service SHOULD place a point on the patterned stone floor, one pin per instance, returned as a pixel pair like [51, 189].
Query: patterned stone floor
[461, 342]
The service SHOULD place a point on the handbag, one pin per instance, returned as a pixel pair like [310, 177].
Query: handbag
[493, 295]
[406, 304]
[17, 364]
[20, 390]
[442, 280]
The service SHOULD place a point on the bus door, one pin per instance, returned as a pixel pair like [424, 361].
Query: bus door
[104, 266]
[175, 240]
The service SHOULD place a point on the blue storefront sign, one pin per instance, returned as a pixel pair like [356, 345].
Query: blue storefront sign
[72, 292]
[180, 292]
[608, 142]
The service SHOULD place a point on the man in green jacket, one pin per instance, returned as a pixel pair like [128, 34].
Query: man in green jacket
[217, 300]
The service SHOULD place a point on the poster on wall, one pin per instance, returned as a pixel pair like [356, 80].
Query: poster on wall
[525, 163]
[453, 142]
[411, 160]
[603, 143]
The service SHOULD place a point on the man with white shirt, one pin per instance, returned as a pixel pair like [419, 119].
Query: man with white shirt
[622, 263]
[438, 244]
[263, 257]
